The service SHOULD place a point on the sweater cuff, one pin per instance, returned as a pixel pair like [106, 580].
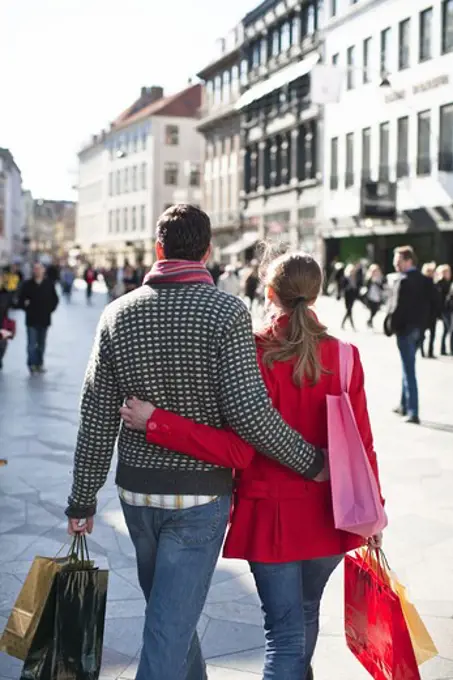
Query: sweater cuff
[317, 466]
[80, 511]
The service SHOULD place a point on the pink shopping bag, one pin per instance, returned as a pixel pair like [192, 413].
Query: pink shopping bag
[356, 500]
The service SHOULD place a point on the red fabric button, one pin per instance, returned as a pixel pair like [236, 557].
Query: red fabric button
[152, 426]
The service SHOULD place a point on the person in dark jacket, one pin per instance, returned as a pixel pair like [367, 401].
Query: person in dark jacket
[435, 309]
[443, 285]
[408, 316]
[39, 299]
[350, 292]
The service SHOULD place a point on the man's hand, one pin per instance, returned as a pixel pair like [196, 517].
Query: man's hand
[324, 475]
[80, 526]
[5, 335]
[136, 414]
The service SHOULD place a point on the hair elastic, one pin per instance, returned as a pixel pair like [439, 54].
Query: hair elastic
[300, 300]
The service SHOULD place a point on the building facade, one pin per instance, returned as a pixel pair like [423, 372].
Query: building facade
[51, 228]
[392, 127]
[149, 159]
[220, 128]
[280, 136]
[11, 243]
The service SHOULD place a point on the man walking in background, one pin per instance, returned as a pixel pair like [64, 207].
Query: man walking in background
[408, 317]
[181, 343]
[39, 299]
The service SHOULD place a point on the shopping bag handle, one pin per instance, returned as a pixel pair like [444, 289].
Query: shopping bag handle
[383, 567]
[78, 552]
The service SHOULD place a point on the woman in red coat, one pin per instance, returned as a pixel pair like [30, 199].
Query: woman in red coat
[281, 523]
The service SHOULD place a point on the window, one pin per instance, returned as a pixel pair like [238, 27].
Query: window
[171, 174]
[134, 178]
[263, 51]
[134, 218]
[118, 181]
[125, 219]
[226, 85]
[244, 72]
[404, 40]
[335, 58]
[366, 60]
[349, 177]
[110, 183]
[217, 90]
[350, 76]
[334, 163]
[447, 26]
[117, 221]
[446, 138]
[110, 221]
[424, 143]
[384, 151]
[426, 29]
[144, 140]
[366, 153]
[333, 8]
[194, 176]
[310, 24]
[135, 143]
[143, 218]
[285, 40]
[143, 176]
[295, 30]
[402, 158]
[171, 135]
[275, 42]
[235, 79]
[385, 51]
[126, 180]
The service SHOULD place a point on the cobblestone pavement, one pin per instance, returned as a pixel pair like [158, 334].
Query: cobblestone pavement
[38, 423]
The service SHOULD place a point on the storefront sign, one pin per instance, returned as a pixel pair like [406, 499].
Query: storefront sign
[378, 199]
[419, 88]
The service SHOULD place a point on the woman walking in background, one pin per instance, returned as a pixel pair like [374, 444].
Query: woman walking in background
[281, 523]
[374, 284]
[350, 292]
[434, 312]
[443, 284]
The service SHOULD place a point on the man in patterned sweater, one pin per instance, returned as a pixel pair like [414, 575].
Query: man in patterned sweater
[182, 344]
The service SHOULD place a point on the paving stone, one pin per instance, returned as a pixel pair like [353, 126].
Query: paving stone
[227, 637]
[124, 635]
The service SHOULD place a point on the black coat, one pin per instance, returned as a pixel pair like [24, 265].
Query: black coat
[412, 304]
[5, 300]
[38, 300]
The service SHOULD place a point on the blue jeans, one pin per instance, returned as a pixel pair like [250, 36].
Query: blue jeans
[36, 345]
[408, 345]
[177, 552]
[291, 595]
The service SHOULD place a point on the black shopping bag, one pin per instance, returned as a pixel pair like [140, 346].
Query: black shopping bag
[68, 642]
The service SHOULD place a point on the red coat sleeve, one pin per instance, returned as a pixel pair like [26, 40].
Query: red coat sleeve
[359, 405]
[221, 447]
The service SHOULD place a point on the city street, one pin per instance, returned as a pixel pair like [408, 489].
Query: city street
[38, 425]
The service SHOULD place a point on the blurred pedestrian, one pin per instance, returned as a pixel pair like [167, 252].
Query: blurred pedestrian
[229, 281]
[53, 272]
[350, 292]
[5, 332]
[12, 283]
[90, 277]
[435, 309]
[67, 278]
[443, 285]
[251, 283]
[130, 280]
[407, 317]
[215, 271]
[374, 291]
[39, 299]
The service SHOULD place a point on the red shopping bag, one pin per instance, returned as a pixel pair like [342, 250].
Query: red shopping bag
[9, 325]
[376, 631]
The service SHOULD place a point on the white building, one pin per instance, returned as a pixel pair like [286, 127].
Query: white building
[149, 159]
[392, 123]
[10, 209]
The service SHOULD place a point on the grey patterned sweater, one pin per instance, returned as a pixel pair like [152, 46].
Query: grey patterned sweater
[190, 349]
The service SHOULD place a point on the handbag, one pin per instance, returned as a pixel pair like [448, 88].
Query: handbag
[9, 325]
[356, 500]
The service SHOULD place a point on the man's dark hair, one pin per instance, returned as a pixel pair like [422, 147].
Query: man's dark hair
[407, 253]
[184, 232]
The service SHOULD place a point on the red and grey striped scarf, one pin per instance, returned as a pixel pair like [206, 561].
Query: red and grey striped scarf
[178, 271]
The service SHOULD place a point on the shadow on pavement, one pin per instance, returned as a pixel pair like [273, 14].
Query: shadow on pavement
[441, 427]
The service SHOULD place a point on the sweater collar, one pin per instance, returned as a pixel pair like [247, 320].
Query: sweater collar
[178, 271]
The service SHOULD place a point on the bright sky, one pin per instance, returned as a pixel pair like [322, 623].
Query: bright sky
[68, 67]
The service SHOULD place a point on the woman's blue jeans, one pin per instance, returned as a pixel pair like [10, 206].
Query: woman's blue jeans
[291, 596]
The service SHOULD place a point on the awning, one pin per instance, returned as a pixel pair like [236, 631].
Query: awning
[282, 77]
[247, 240]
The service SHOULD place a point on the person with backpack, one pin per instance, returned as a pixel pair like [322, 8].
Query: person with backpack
[282, 524]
